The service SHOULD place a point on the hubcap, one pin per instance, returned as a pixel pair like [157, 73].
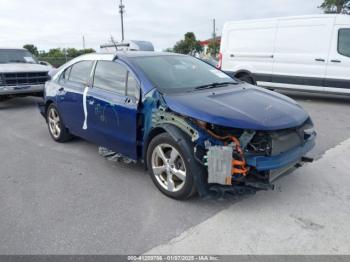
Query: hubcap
[168, 168]
[54, 123]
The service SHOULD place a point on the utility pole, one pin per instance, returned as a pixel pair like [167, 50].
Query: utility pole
[84, 46]
[214, 38]
[121, 11]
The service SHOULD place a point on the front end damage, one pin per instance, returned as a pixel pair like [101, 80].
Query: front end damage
[238, 160]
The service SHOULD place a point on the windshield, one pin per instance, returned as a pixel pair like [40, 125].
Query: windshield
[177, 73]
[16, 56]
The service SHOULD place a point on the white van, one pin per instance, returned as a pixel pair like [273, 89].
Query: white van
[306, 53]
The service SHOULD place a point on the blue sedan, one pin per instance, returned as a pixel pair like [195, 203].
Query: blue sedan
[196, 129]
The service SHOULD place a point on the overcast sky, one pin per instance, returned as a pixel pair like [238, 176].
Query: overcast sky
[62, 23]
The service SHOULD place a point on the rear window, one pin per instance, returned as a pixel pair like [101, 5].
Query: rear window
[344, 42]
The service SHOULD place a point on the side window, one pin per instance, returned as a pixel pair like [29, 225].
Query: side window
[133, 89]
[344, 42]
[110, 76]
[80, 72]
[65, 75]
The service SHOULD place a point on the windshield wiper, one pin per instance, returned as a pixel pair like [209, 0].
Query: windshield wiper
[215, 85]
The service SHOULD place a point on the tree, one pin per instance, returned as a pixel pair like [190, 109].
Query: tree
[213, 48]
[32, 48]
[189, 45]
[336, 6]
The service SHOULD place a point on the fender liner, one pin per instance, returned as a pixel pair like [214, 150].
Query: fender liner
[184, 141]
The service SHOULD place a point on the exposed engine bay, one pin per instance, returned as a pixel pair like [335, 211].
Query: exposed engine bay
[233, 156]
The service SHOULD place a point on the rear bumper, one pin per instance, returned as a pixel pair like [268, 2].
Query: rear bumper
[263, 163]
[21, 89]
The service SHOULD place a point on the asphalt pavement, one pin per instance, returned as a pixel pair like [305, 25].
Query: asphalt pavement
[66, 199]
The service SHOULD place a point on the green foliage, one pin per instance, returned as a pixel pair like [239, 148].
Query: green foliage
[58, 56]
[336, 6]
[189, 45]
[214, 48]
[32, 48]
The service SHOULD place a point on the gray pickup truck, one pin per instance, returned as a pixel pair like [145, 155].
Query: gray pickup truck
[21, 74]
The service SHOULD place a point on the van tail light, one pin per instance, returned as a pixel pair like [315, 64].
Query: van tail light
[219, 65]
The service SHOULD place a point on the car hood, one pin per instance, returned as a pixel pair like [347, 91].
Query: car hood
[242, 106]
[22, 68]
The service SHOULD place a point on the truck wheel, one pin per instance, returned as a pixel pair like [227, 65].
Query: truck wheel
[246, 78]
[57, 129]
[170, 167]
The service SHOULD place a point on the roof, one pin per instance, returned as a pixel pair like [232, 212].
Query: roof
[11, 48]
[127, 54]
[335, 16]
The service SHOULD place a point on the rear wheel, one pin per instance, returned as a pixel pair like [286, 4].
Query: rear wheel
[4, 98]
[169, 167]
[57, 129]
[246, 78]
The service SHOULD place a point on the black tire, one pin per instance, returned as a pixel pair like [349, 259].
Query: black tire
[63, 135]
[246, 78]
[188, 189]
[4, 98]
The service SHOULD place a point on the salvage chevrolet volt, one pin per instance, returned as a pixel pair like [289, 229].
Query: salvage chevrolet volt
[196, 129]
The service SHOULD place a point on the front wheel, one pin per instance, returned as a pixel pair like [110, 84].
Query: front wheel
[169, 167]
[57, 129]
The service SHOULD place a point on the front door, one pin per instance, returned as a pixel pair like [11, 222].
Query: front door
[112, 104]
[338, 76]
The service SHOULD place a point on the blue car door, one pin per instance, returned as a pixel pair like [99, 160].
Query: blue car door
[74, 82]
[112, 108]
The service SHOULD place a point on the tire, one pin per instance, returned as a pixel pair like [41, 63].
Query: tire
[246, 78]
[168, 162]
[57, 129]
[4, 98]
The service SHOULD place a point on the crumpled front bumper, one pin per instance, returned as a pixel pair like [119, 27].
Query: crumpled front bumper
[264, 163]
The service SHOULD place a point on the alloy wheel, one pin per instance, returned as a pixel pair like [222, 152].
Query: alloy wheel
[169, 167]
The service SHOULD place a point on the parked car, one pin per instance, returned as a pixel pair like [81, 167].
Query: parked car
[195, 128]
[21, 74]
[307, 53]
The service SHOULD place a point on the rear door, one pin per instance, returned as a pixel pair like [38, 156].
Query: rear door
[338, 68]
[301, 52]
[112, 108]
[73, 82]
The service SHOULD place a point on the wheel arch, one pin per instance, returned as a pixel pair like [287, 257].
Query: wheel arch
[184, 141]
[244, 72]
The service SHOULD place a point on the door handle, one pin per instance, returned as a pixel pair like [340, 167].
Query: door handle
[335, 61]
[61, 89]
[320, 60]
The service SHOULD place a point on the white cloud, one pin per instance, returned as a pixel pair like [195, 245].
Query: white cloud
[50, 24]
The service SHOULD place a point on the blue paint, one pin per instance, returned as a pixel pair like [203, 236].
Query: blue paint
[239, 106]
[124, 127]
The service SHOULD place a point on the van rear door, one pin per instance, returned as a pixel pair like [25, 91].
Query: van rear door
[338, 77]
[301, 52]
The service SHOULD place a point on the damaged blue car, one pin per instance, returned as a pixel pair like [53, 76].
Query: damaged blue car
[196, 129]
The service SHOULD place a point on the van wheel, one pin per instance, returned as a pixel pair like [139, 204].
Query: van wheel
[246, 78]
[171, 169]
[4, 98]
[57, 129]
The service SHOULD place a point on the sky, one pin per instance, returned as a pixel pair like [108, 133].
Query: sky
[63, 23]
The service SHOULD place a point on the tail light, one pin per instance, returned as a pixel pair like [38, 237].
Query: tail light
[219, 66]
